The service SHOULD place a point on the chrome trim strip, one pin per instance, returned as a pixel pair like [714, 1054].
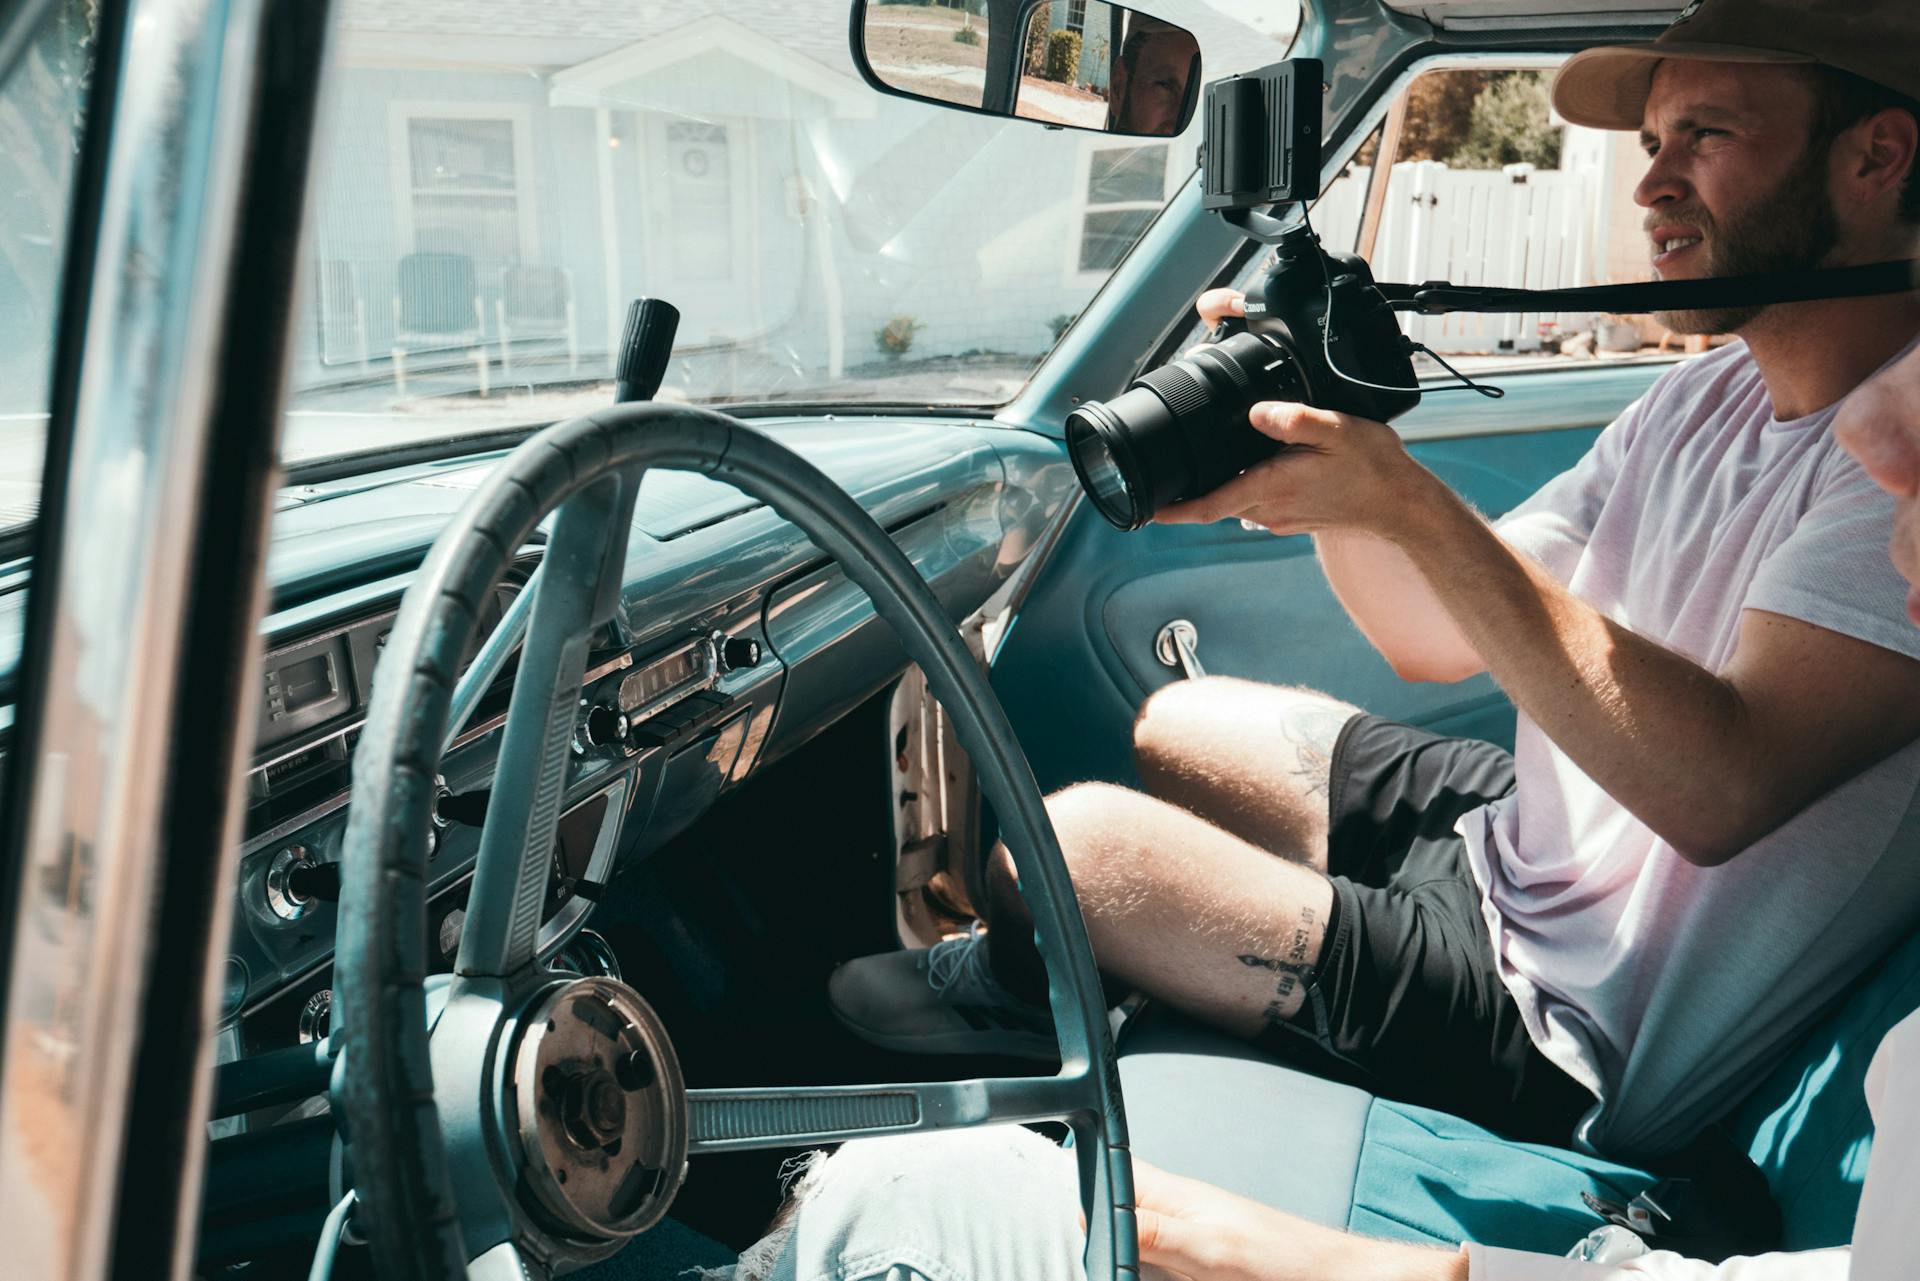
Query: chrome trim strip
[593, 674]
[307, 818]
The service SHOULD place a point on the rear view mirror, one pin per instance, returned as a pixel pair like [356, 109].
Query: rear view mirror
[1078, 64]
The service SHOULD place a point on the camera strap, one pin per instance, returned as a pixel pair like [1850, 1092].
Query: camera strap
[1438, 297]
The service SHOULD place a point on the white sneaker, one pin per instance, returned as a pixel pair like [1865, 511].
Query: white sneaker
[939, 1000]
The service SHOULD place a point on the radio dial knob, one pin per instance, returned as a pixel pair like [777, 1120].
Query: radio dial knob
[737, 652]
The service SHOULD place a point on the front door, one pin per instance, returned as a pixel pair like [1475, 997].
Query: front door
[702, 249]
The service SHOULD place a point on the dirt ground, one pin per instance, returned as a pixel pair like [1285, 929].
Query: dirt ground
[904, 39]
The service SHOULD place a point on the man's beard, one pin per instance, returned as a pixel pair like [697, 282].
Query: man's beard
[1764, 236]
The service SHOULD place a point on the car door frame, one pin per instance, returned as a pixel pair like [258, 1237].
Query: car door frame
[147, 582]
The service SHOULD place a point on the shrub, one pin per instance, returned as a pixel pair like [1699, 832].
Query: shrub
[966, 35]
[1034, 60]
[896, 336]
[1059, 324]
[1063, 56]
[1510, 125]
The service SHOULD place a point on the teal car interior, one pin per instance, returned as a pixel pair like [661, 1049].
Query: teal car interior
[754, 784]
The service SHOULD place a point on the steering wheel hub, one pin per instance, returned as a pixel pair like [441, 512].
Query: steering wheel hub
[597, 1109]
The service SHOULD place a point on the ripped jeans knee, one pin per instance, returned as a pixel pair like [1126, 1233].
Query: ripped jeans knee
[993, 1204]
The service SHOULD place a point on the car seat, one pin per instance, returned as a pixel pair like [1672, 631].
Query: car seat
[1207, 1105]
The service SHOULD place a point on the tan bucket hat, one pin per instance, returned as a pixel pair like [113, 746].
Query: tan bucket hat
[1879, 40]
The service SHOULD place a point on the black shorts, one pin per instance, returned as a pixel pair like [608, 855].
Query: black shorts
[1405, 1000]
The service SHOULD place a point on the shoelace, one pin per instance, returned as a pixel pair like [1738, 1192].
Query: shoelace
[962, 961]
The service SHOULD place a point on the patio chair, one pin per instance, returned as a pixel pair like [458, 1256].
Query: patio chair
[436, 307]
[535, 305]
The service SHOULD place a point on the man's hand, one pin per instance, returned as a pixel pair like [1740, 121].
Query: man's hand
[1197, 1232]
[1216, 305]
[1382, 592]
[1338, 473]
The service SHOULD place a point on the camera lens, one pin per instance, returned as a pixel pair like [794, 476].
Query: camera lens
[1181, 430]
[1101, 474]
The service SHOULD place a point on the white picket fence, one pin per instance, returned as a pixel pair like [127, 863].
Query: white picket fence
[1520, 227]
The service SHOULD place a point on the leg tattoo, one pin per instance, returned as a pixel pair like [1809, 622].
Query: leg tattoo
[1294, 968]
[1313, 731]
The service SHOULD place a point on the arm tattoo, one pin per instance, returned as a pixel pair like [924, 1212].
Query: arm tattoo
[1313, 730]
[1293, 968]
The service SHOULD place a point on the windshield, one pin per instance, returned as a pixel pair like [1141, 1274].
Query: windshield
[498, 180]
[42, 105]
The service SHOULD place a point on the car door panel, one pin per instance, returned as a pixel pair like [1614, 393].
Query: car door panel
[1080, 660]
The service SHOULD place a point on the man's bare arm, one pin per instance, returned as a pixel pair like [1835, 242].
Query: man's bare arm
[1709, 762]
[1389, 600]
[1376, 584]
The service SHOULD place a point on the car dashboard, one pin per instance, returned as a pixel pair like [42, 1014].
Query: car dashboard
[736, 643]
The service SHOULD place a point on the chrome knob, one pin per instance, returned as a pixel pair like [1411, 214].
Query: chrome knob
[737, 652]
[286, 899]
[1178, 645]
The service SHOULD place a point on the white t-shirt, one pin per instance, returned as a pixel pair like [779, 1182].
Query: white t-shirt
[1884, 1246]
[1667, 988]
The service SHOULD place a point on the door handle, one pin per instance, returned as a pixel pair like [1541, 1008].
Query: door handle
[1178, 645]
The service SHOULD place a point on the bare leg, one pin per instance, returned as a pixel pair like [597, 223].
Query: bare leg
[1183, 910]
[1251, 758]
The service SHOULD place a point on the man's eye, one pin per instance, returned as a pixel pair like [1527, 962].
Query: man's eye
[1708, 133]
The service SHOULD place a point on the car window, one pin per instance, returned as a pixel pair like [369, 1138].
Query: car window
[498, 179]
[42, 104]
[1486, 186]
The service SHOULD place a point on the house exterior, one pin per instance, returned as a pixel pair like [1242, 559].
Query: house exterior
[722, 154]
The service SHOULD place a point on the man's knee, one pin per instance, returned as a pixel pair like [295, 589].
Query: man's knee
[978, 1202]
[1194, 729]
[1091, 822]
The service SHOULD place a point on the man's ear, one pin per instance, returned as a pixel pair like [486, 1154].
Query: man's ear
[1885, 146]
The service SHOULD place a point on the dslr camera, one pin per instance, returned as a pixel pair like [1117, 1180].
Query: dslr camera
[1318, 330]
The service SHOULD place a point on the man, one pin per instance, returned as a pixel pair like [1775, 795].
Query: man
[1149, 79]
[999, 1204]
[1697, 842]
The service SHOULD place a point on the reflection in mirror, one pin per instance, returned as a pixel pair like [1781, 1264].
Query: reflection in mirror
[932, 50]
[1092, 65]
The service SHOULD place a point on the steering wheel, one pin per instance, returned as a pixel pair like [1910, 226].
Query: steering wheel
[514, 1121]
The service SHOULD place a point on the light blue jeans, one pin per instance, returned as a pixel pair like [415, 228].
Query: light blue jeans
[995, 1204]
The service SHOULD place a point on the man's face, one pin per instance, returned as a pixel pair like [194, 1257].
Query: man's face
[1733, 186]
[1880, 425]
[1148, 100]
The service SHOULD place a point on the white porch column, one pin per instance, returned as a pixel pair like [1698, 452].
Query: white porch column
[609, 234]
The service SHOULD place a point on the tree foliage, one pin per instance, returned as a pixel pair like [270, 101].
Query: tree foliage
[1477, 120]
[1510, 125]
[1439, 113]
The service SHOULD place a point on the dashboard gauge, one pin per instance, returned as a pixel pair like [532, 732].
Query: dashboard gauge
[316, 1016]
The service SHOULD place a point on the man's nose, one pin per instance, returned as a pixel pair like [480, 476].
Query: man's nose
[1662, 184]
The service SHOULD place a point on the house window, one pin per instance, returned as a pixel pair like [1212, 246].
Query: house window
[1076, 15]
[1125, 188]
[464, 188]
